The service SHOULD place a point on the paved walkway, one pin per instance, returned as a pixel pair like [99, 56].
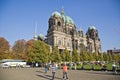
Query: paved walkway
[38, 74]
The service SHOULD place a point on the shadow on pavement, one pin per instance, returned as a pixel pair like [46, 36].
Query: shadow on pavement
[55, 77]
[43, 76]
[47, 77]
[40, 71]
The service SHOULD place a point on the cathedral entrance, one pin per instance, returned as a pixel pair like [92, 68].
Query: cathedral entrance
[60, 51]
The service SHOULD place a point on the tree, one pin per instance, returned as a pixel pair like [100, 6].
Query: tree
[109, 56]
[19, 46]
[85, 56]
[95, 56]
[90, 56]
[4, 45]
[19, 49]
[55, 55]
[118, 57]
[100, 56]
[115, 57]
[105, 57]
[66, 57]
[39, 52]
[63, 56]
[29, 47]
[75, 56]
[29, 44]
[4, 48]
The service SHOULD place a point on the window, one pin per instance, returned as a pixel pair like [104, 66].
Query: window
[59, 42]
[68, 44]
[59, 24]
[81, 40]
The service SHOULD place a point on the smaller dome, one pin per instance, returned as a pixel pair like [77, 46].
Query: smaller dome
[56, 13]
[35, 35]
[92, 27]
[69, 20]
[41, 36]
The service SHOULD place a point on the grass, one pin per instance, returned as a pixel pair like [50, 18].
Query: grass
[95, 66]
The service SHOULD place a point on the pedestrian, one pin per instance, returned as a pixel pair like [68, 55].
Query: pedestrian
[104, 67]
[53, 71]
[46, 68]
[114, 67]
[65, 71]
[93, 66]
[75, 66]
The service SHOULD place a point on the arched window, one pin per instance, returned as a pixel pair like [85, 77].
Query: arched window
[59, 42]
[58, 23]
[82, 47]
[68, 44]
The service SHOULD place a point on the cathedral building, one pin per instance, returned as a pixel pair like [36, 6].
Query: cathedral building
[62, 33]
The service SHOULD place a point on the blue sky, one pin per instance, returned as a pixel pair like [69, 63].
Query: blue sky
[18, 17]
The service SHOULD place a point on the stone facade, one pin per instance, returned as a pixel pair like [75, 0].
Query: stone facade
[62, 33]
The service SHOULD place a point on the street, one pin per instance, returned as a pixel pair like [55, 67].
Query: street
[38, 74]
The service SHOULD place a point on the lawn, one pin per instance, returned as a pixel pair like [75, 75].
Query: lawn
[89, 66]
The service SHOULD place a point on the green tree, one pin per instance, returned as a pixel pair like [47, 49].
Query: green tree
[63, 56]
[90, 57]
[39, 52]
[109, 56]
[55, 55]
[105, 57]
[100, 56]
[118, 57]
[95, 56]
[115, 57]
[75, 56]
[66, 57]
[29, 47]
[83, 56]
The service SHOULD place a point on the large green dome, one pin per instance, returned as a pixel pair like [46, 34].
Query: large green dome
[66, 18]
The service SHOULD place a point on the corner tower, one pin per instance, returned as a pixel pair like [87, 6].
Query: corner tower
[93, 40]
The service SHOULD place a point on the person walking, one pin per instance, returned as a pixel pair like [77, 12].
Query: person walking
[53, 71]
[46, 68]
[114, 67]
[65, 71]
